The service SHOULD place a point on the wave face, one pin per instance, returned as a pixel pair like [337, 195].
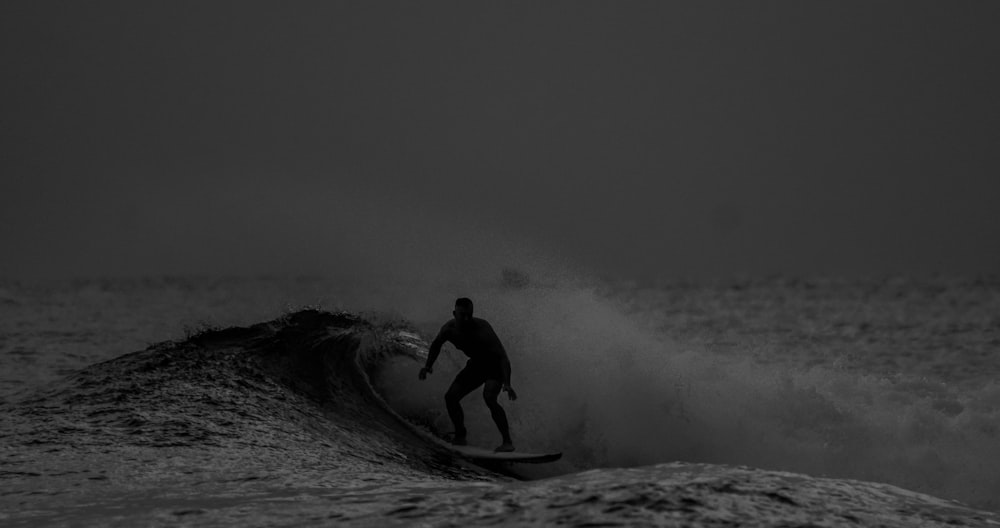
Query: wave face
[242, 402]
[317, 417]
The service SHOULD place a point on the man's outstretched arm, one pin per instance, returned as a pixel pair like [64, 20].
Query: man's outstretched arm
[433, 353]
[504, 366]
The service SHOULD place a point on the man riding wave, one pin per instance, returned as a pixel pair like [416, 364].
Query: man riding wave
[488, 365]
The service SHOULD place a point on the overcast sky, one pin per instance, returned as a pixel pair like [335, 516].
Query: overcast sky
[643, 139]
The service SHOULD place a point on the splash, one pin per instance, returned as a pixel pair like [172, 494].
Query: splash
[596, 382]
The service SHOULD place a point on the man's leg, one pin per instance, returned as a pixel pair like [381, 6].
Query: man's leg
[460, 388]
[490, 393]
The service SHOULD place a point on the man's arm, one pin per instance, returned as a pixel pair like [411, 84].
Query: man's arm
[434, 351]
[504, 364]
[504, 360]
[505, 367]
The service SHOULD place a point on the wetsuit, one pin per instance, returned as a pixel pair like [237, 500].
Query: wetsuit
[487, 357]
[488, 364]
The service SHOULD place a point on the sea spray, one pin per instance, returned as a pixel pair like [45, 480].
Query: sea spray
[610, 391]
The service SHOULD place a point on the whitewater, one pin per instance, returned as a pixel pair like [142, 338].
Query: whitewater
[278, 401]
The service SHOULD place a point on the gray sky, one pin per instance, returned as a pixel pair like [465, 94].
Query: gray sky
[641, 139]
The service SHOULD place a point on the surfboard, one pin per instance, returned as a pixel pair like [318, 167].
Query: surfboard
[479, 453]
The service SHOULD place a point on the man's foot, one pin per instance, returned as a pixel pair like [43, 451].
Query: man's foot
[505, 447]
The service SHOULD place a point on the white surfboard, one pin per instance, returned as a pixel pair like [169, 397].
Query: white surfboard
[479, 453]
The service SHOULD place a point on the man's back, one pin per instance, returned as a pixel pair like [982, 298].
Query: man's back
[475, 338]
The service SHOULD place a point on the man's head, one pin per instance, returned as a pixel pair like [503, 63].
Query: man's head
[463, 310]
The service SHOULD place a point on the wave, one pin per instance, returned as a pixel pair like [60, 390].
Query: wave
[330, 400]
[340, 386]
[294, 386]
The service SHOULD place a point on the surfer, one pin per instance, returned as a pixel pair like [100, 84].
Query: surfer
[488, 365]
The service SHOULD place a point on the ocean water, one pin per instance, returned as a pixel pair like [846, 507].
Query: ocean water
[288, 401]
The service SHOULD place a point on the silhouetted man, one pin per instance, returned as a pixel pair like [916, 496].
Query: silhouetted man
[488, 365]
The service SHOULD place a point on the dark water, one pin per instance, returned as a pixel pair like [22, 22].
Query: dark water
[666, 414]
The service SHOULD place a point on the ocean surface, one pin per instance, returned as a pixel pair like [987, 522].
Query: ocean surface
[278, 401]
